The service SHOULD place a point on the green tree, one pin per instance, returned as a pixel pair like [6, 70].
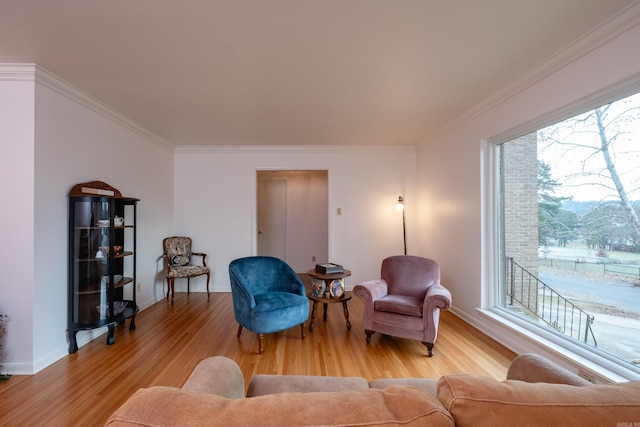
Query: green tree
[548, 204]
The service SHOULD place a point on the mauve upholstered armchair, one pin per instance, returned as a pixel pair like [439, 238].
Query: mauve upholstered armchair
[406, 301]
[268, 296]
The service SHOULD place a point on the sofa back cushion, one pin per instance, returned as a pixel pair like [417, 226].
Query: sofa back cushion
[262, 384]
[168, 406]
[409, 275]
[483, 401]
[533, 368]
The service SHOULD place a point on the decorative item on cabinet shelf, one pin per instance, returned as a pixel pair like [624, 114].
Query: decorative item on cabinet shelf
[103, 251]
[118, 307]
[116, 279]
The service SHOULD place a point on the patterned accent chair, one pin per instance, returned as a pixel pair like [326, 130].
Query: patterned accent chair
[178, 263]
[268, 296]
[406, 301]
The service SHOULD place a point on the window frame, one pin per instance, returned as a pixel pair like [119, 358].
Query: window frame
[605, 366]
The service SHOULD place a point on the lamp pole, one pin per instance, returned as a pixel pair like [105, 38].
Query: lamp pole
[404, 224]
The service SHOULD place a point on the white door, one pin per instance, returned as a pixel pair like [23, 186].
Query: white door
[272, 218]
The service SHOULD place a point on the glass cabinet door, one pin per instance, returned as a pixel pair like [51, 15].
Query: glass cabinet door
[90, 273]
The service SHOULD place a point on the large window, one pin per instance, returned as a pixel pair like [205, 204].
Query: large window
[570, 229]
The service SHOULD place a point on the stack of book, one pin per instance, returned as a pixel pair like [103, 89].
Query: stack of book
[329, 268]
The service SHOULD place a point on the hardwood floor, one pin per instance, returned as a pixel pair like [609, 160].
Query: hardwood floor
[84, 388]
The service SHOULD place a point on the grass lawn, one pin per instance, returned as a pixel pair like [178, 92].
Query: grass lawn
[585, 260]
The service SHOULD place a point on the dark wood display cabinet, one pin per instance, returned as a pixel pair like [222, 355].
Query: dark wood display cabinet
[102, 260]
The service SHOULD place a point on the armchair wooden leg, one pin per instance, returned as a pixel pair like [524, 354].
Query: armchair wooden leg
[208, 278]
[260, 342]
[170, 289]
[302, 331]
[369, 333]
[239, 330]
[429, 348]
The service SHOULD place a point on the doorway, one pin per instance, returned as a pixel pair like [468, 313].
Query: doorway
[293, 216]
[272, 217]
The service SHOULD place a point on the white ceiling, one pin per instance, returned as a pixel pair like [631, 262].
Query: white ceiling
[279, 72]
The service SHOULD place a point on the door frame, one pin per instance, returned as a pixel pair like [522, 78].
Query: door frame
[254, 204]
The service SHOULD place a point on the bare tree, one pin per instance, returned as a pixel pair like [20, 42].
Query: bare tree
[605, 145]
[600, 140]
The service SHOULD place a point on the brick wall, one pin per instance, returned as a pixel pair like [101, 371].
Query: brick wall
[520, 205]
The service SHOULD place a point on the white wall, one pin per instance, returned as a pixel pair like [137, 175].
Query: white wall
[216, 192]
[16, 221]
[451, 174]
[307, 220]
[77, 139]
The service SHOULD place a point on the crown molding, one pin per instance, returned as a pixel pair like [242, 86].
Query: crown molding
[620, 23]
[40, 75]
[293, 149]
[608, 94]
[17, 72]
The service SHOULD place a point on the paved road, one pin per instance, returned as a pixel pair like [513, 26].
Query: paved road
[616, 335]
[622, 296]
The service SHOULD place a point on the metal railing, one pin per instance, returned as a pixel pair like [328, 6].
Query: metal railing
[547, 305]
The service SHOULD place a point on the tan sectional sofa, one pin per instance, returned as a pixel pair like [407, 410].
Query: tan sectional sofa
[535, 393]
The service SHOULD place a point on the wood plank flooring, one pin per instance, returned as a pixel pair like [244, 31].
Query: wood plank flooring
[84, 388]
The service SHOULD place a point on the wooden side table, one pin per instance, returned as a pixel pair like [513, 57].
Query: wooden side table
[328, 278]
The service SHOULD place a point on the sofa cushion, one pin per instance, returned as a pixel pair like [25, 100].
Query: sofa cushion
[262, 384]
[168, 406]
[217, 375]
[403, 304]
[483, 401]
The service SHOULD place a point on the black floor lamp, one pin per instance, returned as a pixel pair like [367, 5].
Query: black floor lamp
[400, 207]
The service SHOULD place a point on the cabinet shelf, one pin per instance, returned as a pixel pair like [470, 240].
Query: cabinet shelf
[129, 312]
[100, 259]
[123, 254]
[97, 282]
[96, 228]
[97, 287]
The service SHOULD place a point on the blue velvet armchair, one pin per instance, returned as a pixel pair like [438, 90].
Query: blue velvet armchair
[268, 296]
[406, 301]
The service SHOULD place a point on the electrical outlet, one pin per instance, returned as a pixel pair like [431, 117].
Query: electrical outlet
[339, 211]
[313, 259]
[586, 375]
[138, 287]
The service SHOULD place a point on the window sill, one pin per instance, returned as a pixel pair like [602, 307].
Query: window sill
[588, 362]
